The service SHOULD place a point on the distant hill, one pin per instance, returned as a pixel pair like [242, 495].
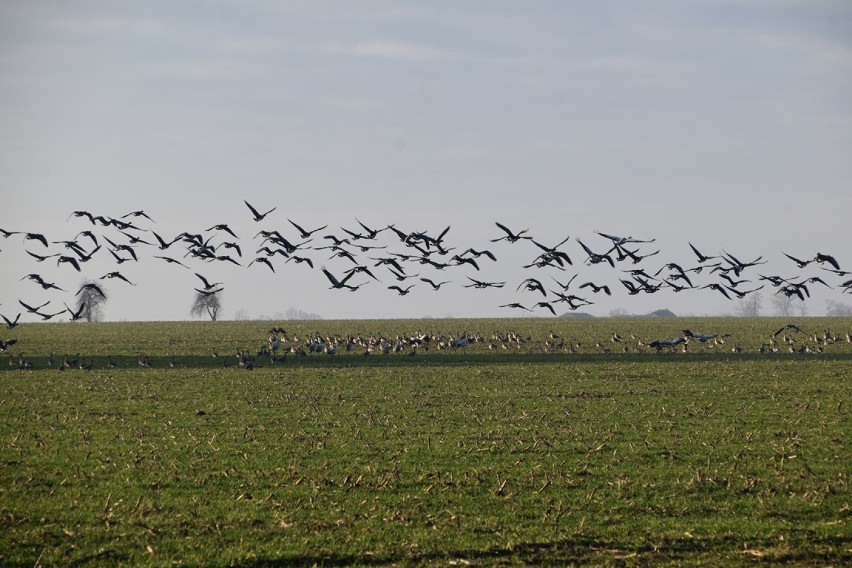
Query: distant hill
[662, 314]
[576, 315]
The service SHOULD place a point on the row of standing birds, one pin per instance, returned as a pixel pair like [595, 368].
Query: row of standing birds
[369, 257]
[279, 346]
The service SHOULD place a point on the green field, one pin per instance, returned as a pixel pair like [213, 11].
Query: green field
[560, 450]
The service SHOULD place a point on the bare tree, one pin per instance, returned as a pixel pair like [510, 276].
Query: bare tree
[206, 303]
[787, 305]
[837, 309]
[749, 306]
[90, 301]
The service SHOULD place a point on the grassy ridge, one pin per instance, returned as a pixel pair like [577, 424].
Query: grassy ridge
[480, 457]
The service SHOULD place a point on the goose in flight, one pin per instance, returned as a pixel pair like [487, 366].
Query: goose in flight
[566, 285]
[510, 236]
[31, 309]
[479, 284]
[263, 260]
[338, 284]
[435, 285]
[257, 215]
[117, 274]
[478, 253]
[595, 258]
[41, 282]
[596, 288]
[822, 258]
[11, 323]
[138, 213]
[546, 305]
[515, 305]
[701, 258]
[68, 260]
[223, 227]
[799, 262]
[171, 260]
[75, 316]
[532, 285]
[163, 244]
[305, 233]
[36, 237]
[402, 291]
[41, 258]
[623, 240]
[93, 287]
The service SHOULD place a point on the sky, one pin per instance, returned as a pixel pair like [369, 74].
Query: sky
[727, 125]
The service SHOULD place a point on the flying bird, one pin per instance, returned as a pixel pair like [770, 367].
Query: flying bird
[258, 216]
[821, 258]
[435, 285]
[510, 236]
[305, 233]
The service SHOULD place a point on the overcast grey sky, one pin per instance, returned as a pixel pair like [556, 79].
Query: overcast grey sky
[724, 124]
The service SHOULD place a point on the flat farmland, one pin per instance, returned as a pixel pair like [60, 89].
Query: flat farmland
[539, 441]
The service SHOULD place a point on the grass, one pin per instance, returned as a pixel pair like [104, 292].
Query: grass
[475, 457]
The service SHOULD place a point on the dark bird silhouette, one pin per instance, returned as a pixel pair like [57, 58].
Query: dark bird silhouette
[595, 258]
[402, 291]
[338, 284]
[75, 315]
[742, 293]
[207, 284]
[233, 246]
[171, 260]
[719, 288]
[68, 260]
[532, 285]
[823, 258]
[364, 269]
[478, 253]
[515, 305]
[264, 260]
[546, 305]
[257, 216]
[305, 233]
[623, 240]
[32, 309]
[595, 288]
[5, 344]
[435, 285]
[11, 323]
[41, 258]
[567, 284]
[41, 282]
[701, 258]
[93, 287]
[223, 227]
[301, 259]
[116, 274]
[799, 262]
[479, 284]
[510, 236]
[791, 327]
[459, 260]
[36, 237]
[162, 243]
[138, 213]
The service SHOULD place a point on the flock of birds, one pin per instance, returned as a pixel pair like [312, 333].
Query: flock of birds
[280, 345]
[399, 260]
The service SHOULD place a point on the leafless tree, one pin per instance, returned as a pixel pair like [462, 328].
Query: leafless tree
[90, 301]
[209, 304]
[787, 305]
[749, 306]
[837, 309]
